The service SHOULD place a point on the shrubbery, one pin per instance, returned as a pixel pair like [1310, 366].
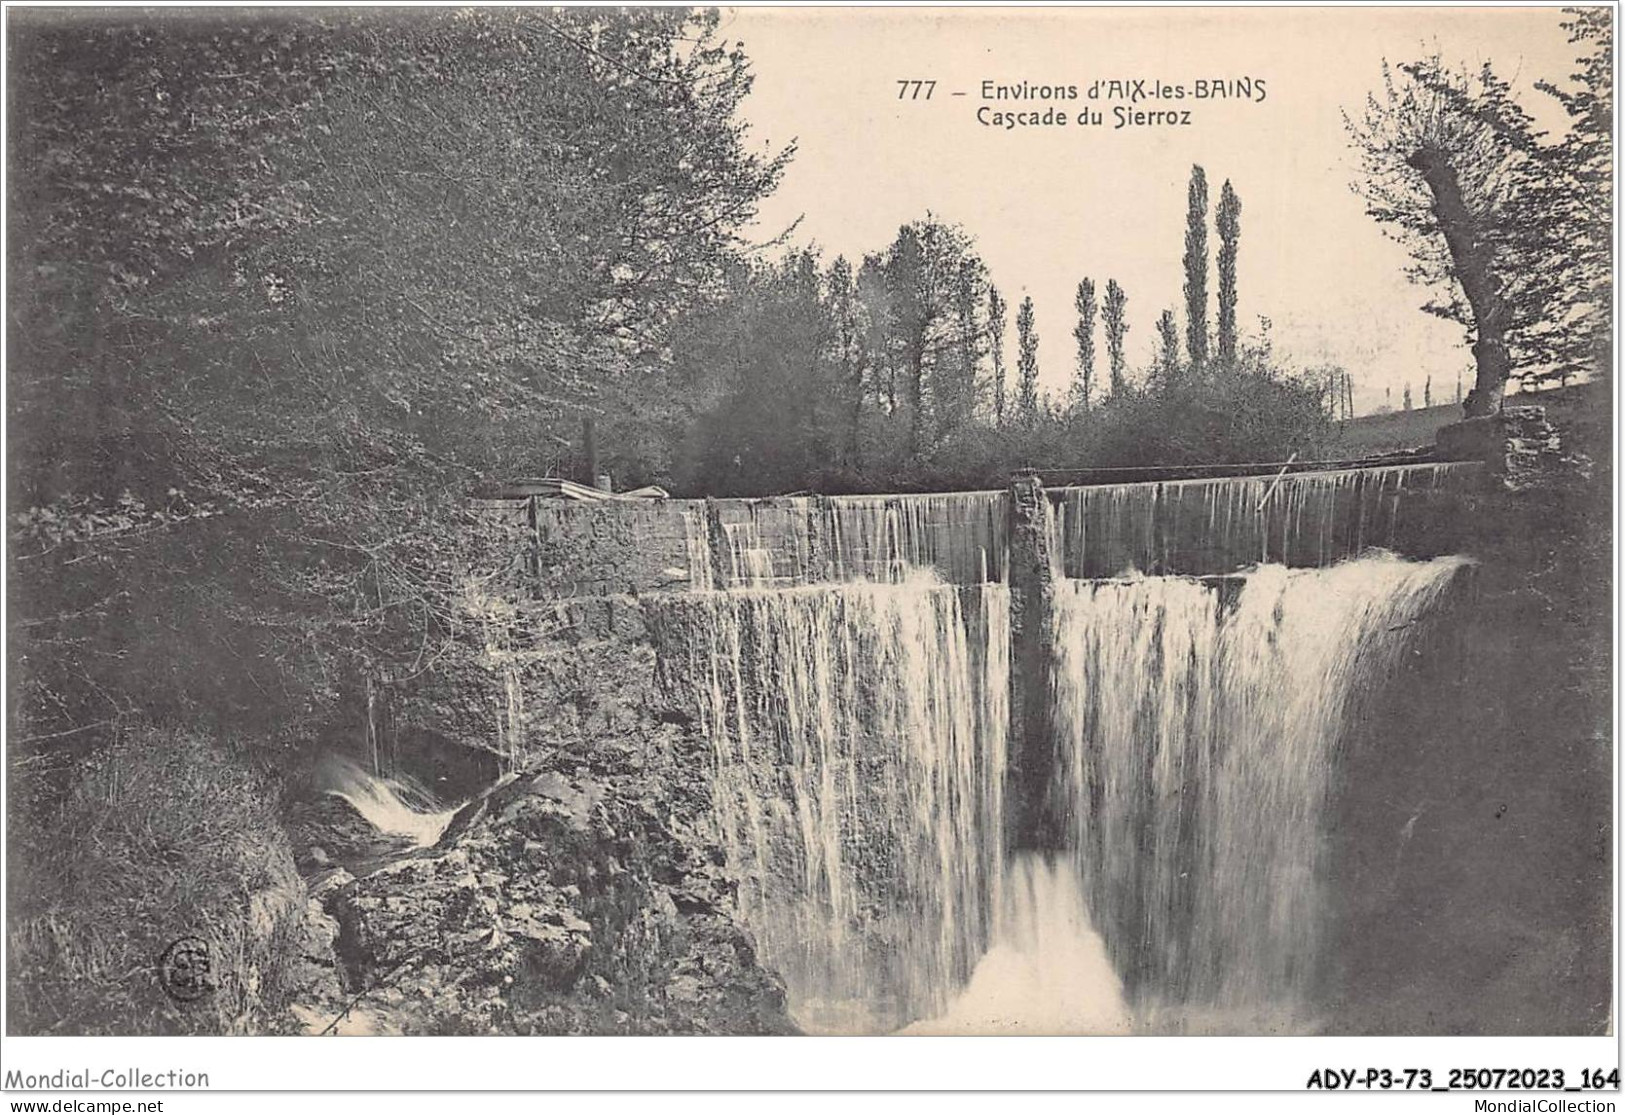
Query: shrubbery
[1253, 414]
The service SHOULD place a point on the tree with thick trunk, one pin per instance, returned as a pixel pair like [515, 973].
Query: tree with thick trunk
[1472, 259]
[1453, 168]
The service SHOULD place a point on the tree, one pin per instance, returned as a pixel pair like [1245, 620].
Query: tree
[1228, 220]
[781, 407]
[995, 331]
[308, 275]
[928, 270]
[957, 373]
[845, 308]
[1427, 391]
[1451, 168]
[1027, 363]
[1407, 397]
[1112, 316]
[1341, 387]
[1196, 270]
[879, 348]
[1579, 335]
[1167, 347]
[1084, 333]
[308, 184]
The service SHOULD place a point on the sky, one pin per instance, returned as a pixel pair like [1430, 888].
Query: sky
[1051, 205]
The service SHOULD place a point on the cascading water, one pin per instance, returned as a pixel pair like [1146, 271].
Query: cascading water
[857, 707]
[1215, 526]
[1196, 727]
[859, 738]
[701, 573]
[396, 806]
[962, 536]
[750, 564]
[1047, 971]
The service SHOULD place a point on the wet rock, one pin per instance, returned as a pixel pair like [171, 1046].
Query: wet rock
[328, 882]
[327, 830]
[573, 899]
[315, 983]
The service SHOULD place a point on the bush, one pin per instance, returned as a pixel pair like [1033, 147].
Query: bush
[1226, 417]
[160, 836]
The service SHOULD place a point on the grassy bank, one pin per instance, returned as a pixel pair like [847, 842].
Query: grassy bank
[160, 836]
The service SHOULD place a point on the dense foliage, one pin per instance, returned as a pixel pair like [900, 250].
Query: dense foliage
[291, 285]
[812, 380]
[287, 285]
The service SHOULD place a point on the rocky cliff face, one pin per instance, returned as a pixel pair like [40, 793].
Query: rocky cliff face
[585, 894]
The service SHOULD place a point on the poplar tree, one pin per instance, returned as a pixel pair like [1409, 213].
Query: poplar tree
[1167, 346]
[1112, 312]
[1084, 332]
[1228, 219]
[995, 328]
[1027, 362]
[1196, 270]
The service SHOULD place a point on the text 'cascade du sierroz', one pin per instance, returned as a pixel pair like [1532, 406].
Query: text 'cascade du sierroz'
[1106, 104]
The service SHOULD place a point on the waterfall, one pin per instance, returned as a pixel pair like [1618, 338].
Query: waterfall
[1196, 728]
[1047, 971]
[1215, 526]
[395, 806]
[750, 563]
[697, 545]
[858, 734]
[962, 536]
[1206, 643]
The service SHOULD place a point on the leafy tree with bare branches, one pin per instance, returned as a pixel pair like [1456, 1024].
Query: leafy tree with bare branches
[1583, 199]
[1452, 168]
